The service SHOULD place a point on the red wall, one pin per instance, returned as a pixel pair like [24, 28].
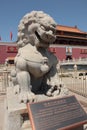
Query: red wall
[4, 54]
[60, 52]
[77, 53]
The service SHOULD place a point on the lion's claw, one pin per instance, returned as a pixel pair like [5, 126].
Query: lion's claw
[27, 97]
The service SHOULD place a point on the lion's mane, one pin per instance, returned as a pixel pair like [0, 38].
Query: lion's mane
[28, 24]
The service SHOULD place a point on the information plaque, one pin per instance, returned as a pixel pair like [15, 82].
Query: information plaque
[57, 114]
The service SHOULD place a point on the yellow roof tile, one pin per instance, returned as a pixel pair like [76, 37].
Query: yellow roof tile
[69, 29]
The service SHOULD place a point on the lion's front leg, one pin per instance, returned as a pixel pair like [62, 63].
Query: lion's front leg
[57, 88]
[23, 81]
[25, 94]
[54, 83]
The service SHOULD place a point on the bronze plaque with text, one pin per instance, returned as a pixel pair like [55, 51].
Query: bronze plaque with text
[56, 114]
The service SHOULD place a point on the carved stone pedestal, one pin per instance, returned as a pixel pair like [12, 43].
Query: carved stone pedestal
[13, 112]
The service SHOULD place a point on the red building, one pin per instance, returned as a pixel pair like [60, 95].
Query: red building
[7, 50]
[70, 43]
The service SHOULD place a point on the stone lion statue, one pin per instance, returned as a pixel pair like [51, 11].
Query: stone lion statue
[35, 66]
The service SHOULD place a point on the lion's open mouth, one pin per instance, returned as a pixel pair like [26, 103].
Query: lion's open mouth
[45, 41]
[40, 39]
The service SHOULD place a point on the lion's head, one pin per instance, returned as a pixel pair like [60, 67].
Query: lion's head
[36, 28]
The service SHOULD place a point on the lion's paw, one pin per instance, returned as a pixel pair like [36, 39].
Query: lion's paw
[25, 97]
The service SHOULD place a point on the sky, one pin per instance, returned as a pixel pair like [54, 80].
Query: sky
[64, 12]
